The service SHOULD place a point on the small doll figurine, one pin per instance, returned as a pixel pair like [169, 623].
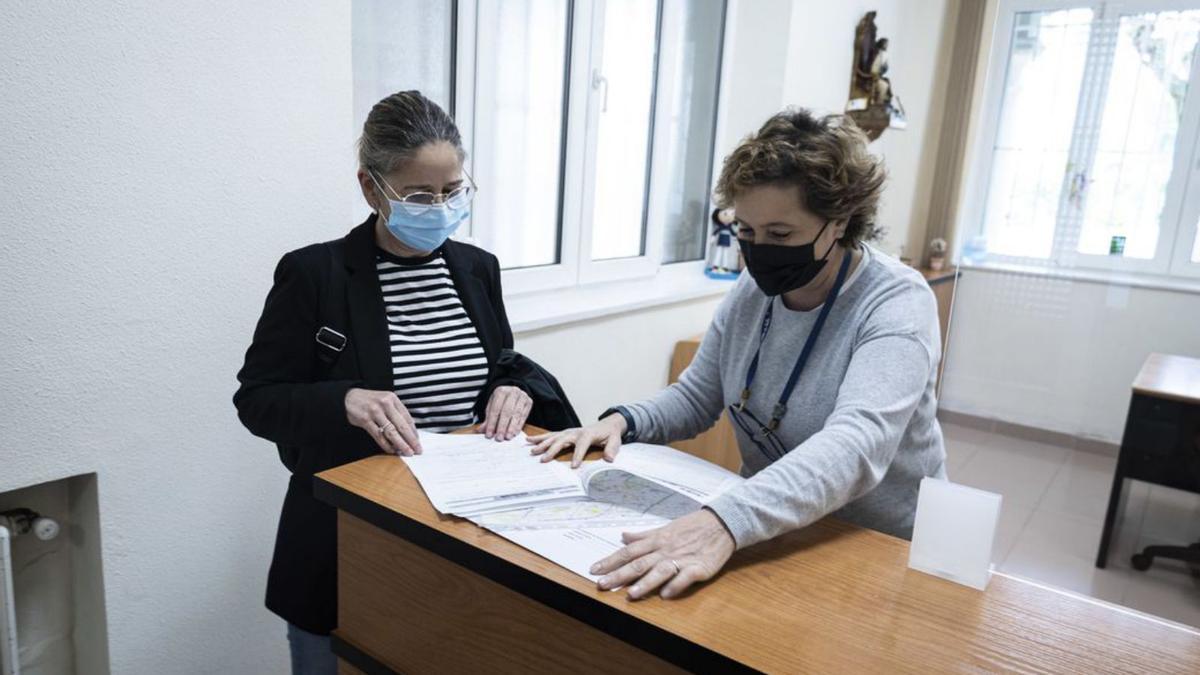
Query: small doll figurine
[937, 254]
[723, 254]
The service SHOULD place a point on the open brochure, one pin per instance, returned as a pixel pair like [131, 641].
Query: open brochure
[571, 517]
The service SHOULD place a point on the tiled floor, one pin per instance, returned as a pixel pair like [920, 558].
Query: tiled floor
[1053, 511]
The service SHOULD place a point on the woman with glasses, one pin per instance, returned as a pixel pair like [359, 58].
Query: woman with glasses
[366, 339]
[825, 357]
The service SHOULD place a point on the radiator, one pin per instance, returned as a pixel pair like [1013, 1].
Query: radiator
[9, 665]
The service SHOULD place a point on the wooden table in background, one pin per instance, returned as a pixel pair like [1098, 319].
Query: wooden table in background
[1161, 443]
[422, 592]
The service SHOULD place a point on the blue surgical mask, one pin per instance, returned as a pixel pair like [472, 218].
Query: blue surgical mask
[423, 227]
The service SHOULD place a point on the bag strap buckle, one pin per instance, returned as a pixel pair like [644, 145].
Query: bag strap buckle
[330, 338]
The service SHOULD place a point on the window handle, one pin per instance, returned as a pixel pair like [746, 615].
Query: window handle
[599, 80]
[1078, 188]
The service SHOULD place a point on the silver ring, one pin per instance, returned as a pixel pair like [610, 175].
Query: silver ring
[677, 568]
[384, 429]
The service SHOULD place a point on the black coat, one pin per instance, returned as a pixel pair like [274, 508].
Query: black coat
[289, 396]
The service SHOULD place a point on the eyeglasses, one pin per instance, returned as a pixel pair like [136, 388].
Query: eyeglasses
[762, 435]
[416, 203]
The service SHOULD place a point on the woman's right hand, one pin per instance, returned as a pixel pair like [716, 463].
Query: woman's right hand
[606, 432]
[381, 414]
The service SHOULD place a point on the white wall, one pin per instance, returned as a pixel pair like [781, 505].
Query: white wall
[754, 91]
[157, 159]
[1059, 354]
[818, 66]
[617, 359]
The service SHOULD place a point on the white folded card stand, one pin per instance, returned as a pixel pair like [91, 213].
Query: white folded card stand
[953, 533]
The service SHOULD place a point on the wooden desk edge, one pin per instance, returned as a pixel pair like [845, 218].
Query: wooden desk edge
[934, 277]
[1166, 395]
[1169, 376]
[624, 626]
[346, 650]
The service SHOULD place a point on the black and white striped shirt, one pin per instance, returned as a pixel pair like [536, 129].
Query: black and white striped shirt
[438, 363]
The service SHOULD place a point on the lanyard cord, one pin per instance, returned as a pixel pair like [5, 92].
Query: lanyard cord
[781, 406]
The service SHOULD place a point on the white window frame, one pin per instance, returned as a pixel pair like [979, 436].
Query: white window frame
[1181, 209]
[590, 15]
[575, 266]
[1188, 229]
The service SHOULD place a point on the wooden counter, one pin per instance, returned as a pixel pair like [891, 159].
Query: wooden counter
[421, 592]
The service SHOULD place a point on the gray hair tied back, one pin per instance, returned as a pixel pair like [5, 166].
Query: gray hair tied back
[400, 125]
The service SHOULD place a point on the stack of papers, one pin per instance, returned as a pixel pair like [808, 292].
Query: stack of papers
[571, 517]
[464, 475]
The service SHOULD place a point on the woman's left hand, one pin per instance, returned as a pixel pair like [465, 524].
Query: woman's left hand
[685, 551]
[507, 410]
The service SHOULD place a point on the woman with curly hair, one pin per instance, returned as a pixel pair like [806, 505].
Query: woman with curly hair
[825, 358]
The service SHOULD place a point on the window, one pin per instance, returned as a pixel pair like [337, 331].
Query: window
[590, 126]
[624, 79]
[398, 45]
[1034, 139]
[690, 63]
[1092, 155]
[520, 90]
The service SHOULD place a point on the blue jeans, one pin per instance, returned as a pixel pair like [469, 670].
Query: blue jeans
[311, 653]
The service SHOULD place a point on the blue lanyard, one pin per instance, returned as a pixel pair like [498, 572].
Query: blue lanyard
[781, 406]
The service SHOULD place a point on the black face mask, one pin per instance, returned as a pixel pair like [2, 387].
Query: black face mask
[779, 269]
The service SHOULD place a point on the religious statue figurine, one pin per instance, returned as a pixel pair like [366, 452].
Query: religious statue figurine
[873, 104]
[724, 258]
[862, 81]
[881, 89]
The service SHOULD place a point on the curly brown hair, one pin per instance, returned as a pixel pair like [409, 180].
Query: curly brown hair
[826, 157]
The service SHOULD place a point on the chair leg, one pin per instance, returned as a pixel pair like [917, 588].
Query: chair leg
[1188, 554]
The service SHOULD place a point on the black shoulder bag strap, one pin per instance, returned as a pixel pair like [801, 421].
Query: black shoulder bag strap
[330, 336]
[331, 333]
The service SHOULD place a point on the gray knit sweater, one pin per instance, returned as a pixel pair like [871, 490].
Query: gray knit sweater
[860, 425]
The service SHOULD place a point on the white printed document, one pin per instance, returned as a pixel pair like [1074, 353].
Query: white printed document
[464, 474]
[687, 474]
[571, 517]
[577, 533]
